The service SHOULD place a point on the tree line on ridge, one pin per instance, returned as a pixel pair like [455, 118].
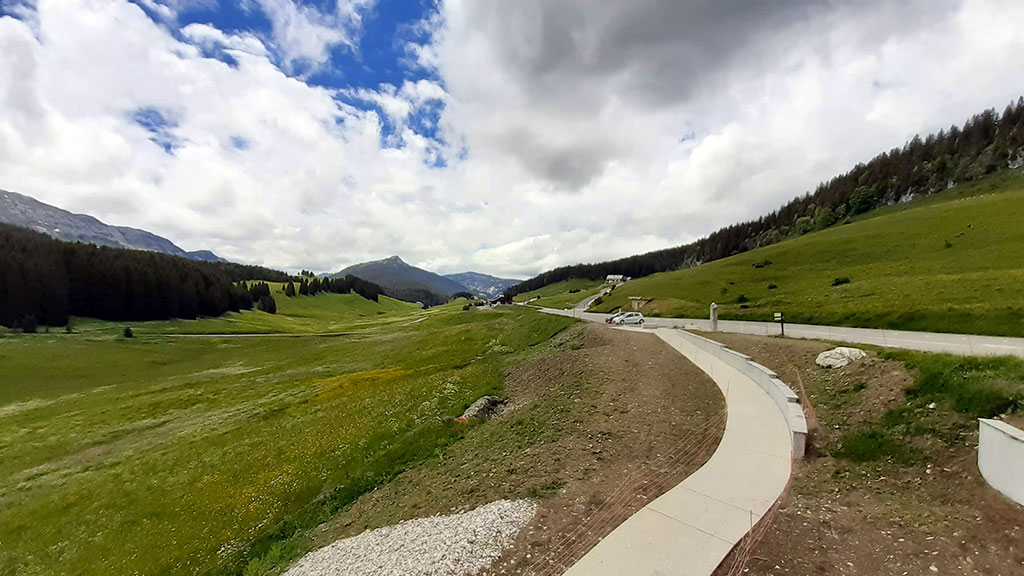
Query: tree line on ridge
[987, 142]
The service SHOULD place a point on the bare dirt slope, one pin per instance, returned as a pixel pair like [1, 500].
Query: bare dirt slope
[582, 416]
[930, 514]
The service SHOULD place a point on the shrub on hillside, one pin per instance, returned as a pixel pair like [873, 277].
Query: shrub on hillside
[267, 304]
[802, 226]
[864, 198]
[29, 324]
[840, 281]
[823, 218]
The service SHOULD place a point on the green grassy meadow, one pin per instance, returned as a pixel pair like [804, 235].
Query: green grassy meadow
[949, 263]
[324, 313]
[161, 454]
[558, 295]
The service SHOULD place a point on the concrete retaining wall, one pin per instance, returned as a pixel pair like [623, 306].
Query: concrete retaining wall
[714, 358]
[1001, 457]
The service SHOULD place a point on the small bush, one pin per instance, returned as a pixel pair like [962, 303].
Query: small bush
[762, 263]
[466, 307]
[574, 290]
[267, 304]
[742, 298]
[863, 199]
[840, 281]
[949, 244]
[772, 286]
[127, 332]
[545, 490]
[802, 226]
[598, 301]
[29, 324]
[872, 446]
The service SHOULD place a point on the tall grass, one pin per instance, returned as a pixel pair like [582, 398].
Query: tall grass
[947, 395]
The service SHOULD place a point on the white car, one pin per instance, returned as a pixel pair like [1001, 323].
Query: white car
[629, 319]
[611, 319]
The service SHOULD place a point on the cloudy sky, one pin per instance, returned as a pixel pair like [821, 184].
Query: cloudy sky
[503, 136]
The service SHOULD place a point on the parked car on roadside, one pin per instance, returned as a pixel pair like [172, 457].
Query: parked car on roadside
[630, 319]
[611, 319]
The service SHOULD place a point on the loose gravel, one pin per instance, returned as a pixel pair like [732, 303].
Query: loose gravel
[456, 545]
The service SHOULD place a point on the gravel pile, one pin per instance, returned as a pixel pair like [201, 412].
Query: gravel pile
[456, 545]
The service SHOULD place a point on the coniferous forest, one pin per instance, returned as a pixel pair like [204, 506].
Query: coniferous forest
[984, 144]
[44, 281]
[310, 286]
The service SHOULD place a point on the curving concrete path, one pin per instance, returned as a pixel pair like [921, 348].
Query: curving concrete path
[691, 528]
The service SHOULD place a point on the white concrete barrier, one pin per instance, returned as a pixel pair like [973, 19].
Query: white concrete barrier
[710, 356]
[1001, 457]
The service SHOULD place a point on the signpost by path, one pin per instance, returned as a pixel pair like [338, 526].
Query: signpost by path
[782, 322]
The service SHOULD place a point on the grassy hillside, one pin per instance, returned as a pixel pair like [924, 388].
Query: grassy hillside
[160, 455]
[560, 294]
[950, 263]
[322, 313]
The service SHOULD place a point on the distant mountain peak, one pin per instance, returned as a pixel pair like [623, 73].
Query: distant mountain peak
[483, 284]
[27, 212]
[404, 281]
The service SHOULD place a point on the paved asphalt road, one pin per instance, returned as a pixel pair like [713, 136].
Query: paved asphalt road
[959, 344]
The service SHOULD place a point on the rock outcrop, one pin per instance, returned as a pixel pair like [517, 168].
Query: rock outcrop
[839, 357]
[484, 408]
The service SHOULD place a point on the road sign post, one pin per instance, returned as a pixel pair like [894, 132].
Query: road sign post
[782, 322]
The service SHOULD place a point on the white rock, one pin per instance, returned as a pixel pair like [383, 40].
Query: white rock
[456, 545]
[839, 357]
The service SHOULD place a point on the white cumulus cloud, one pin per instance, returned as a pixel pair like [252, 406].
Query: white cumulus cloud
[565, 132]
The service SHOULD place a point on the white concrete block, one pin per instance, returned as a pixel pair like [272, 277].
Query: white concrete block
[1001, 457]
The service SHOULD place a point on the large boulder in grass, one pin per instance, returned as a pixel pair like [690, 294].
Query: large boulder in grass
[483, 409]
[839, 357]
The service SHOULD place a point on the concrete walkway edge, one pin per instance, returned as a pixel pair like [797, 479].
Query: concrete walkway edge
[691, 528]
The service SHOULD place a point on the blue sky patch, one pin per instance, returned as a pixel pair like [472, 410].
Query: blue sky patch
[239, 143]
[160, 128]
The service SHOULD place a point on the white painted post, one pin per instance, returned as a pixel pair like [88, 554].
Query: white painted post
[714, 317]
